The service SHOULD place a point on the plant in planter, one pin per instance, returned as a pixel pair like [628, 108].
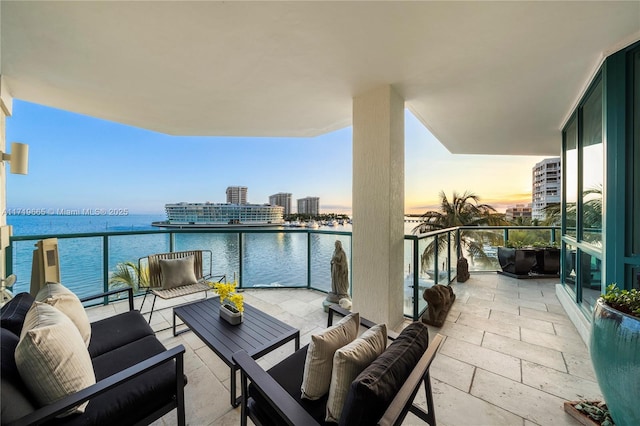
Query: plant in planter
[615, 348]
[231, 311]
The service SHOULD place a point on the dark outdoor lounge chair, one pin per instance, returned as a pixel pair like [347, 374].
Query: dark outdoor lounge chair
[273, 397]
[138, 380]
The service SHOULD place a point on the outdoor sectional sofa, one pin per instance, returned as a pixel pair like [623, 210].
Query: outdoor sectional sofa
[137, 380]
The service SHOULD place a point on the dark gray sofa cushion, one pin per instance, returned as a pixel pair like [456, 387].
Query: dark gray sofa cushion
[289, 375]
[129, 402]
[14, 311]
[373, 390]
[114, 332]
[16, 398]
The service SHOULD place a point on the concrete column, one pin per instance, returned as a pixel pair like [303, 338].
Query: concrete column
[378, 205]
[6, 105]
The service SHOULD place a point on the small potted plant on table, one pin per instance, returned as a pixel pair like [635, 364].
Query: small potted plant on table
[231, 303]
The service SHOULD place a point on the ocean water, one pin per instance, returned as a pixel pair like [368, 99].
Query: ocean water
[269, 259]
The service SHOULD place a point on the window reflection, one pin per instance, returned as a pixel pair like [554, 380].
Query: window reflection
[570, 173]
[592, 168]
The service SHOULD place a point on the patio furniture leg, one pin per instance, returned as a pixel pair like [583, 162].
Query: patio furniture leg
[243, 408]
[234, 400]
[152, 307]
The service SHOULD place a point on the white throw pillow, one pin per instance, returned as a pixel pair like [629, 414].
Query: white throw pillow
[67, 302]
[348, 362]
[177, 272]
[319, 362]
[52, 358]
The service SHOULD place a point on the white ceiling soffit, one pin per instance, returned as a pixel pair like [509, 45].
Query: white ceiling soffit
[484, 77]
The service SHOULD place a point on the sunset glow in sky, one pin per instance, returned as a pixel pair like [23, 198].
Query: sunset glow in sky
[78, 162]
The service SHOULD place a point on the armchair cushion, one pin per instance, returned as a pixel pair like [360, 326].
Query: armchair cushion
[319, 362]
[373, 390]
[289, 376]
[52, 357]
[114, 332]
[177, 272]
[12, 314]
[61, 298]
[348, 362]
[130, 402]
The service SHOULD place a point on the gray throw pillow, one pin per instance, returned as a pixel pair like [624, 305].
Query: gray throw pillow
[177, 272]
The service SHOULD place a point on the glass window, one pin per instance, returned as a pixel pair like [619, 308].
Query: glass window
[571, 176]
[570, 267]
[591, 280]
[592, 167]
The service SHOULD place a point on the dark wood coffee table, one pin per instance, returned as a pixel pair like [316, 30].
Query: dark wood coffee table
[258, 334]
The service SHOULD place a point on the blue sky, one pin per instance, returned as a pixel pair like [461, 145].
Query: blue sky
[80, 162]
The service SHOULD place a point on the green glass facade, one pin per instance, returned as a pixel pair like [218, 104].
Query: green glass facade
[601, 183]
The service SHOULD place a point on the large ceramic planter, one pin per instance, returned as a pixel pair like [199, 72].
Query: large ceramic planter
[547, 261]
[516, 261]
[230, 314]
[615, 353]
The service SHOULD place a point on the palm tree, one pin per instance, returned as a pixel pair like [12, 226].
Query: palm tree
[464, 210]
[128, 274]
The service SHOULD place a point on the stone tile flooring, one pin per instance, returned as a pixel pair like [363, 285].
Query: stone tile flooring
[511, 356]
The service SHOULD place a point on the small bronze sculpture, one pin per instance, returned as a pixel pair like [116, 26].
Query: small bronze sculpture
[439, 299]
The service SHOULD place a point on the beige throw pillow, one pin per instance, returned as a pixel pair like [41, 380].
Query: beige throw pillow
[319, 362]
[177, 272]
[61, 298]
[348, 362]
[51, 356]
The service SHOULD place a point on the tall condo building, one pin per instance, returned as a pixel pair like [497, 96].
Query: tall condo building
[282, 199]
[546, 186]
[309, 205]
[237, 194]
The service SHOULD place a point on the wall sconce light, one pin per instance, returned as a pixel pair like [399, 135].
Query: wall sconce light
[19, 158]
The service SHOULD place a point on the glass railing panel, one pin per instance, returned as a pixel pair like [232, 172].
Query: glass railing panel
[274, 259]
[530, 237]
[80, 265]
[322, 250]
[454, 256]
[130, 248]
[408, 274]
[480, 248]
[224, 248]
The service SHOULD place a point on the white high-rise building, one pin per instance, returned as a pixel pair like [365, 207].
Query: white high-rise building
[309, 205]
[282, 199]
[546, 186]
[237, 194]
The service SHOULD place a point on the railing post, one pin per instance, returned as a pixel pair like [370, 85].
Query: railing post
[105, 267]
[308, 259]
[240, 274]
[505, 236]
[416, 277]
[172, 242]
[458, 245]
[553, 236]
[8, 258]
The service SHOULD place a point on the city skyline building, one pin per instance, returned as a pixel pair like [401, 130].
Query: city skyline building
[519, 210]
[237, 195]
[545, 190]
[282, 199]
[309, 205]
